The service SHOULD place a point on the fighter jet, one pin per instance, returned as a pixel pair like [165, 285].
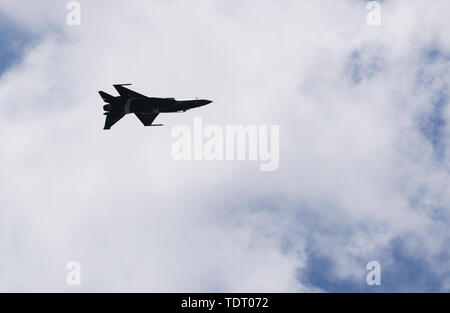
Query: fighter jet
[145, 108]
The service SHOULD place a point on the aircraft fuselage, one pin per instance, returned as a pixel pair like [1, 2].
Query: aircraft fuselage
[153, 105]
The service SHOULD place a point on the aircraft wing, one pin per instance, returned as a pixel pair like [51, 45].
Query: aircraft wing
[112, 119]
[127, 93]
[146, 118]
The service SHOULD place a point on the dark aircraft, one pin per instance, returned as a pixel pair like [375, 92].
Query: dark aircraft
[145, 108]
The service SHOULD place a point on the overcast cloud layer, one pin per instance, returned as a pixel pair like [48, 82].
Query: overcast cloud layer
[364, 150]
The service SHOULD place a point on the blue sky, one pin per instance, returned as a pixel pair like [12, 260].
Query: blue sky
[408, 273]
[13, 41]
[364, 165]
[433, 124]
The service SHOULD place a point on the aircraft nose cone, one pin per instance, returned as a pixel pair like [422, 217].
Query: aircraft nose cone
[203, 102]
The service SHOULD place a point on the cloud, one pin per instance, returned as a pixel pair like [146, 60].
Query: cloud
[363, 171]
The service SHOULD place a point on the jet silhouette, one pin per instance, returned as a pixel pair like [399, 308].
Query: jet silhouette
[145, 108]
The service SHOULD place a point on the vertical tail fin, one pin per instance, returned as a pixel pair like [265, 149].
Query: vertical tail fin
[106, 97]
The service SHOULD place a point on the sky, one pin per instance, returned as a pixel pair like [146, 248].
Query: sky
[363, 121]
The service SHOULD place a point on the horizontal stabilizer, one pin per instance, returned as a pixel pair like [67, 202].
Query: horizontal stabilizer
[111, 119]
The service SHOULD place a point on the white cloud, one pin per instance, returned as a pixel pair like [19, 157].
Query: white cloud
[351, 154]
